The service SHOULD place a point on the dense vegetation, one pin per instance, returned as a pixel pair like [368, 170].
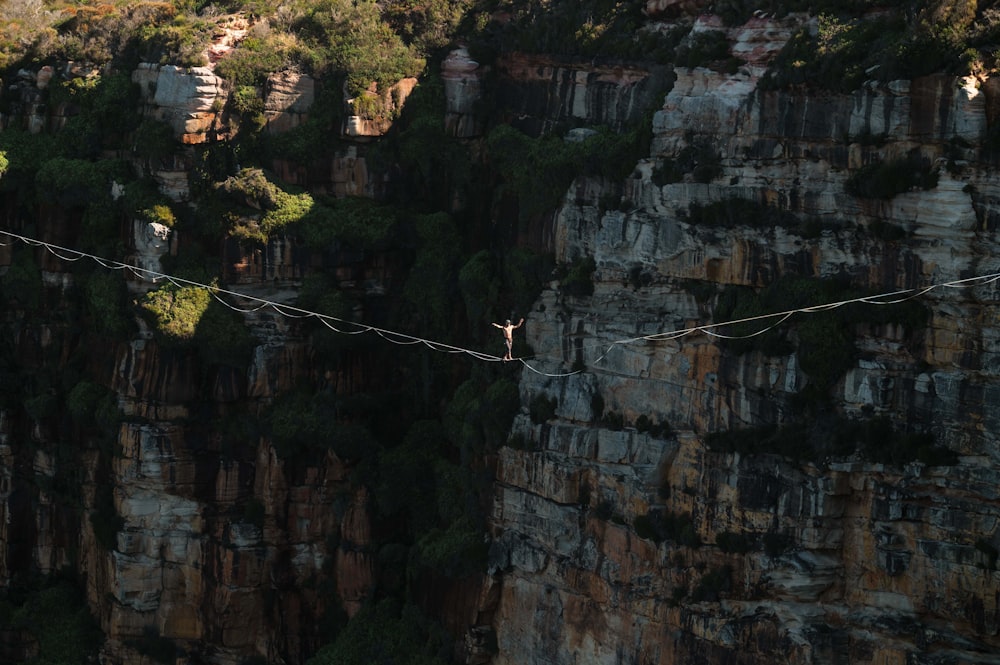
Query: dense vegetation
[857, 43]
[51, 620]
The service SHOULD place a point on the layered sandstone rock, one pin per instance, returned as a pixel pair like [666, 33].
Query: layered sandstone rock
[189, 99]
[540, 92]
[288, 97]
[840, 559]
[609, 543]
[463, 90]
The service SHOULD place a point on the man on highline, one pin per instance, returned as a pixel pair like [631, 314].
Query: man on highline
[508, 329]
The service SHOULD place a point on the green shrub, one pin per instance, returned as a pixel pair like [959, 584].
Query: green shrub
[430, 287]
[39, 407]
[356, 221]
[254, 512]
[851, 46]
[677, 595]
[256, 58]
[701, 289]
[406, 481]
[818, 436]
[104, 518]
[246, 100]
[106, 298]
[479, 285]
[613, 420]
[824, 341]
[352, 39]
[733, 542]
[990, 553]
[176, 311]
[659, 526]
[73, 182]
[151, 643]
[299, 422]
[596, 406]
[776, 544]
[155, 142]
[302, 143]
[588, 28]
[643, 425]
[480, 413]
[25, 154]
[22, 282]
[428, 26]
[698, 159]
[886, 230]
[884, 180]
[500, 404]
[456, 551]
[384, 631]
[542, 409]
[524, 274]
[733, 212]
[707, 49]
[539, 171]
[57, 618]
[578, 277]
[712, 585]
[190, 316]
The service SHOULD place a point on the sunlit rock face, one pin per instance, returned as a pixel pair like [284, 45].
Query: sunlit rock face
[288, 97]
[463, 89]
[381, 108]
[188, 99]
[615, 537]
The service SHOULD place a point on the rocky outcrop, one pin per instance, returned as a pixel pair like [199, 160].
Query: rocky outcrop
[617, 542]
[187, 99]
[287, 99]
[372, 112]
[539, 93]
[622, 531]
[463, 90]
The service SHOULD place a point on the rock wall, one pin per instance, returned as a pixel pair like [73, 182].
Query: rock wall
[615, 543]
[536, 93]
[621, 533]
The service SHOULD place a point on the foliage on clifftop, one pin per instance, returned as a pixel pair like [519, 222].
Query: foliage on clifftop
[848, 48]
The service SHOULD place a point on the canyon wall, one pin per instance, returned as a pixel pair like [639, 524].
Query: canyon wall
[624, 533]
[630, 523]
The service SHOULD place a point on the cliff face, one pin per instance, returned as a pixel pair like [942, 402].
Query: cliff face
[184, 521]
[619, 543]
[622, 530]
